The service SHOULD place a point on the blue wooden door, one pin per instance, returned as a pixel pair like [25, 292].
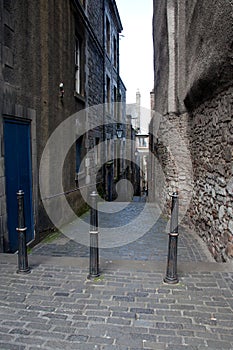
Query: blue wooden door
[18, 171]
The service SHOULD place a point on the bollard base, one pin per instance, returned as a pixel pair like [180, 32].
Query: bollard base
[24, 272]
[171, 280]
[92, 277]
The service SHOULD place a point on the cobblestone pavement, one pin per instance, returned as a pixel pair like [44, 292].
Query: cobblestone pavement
[128, 307]
[153, 245]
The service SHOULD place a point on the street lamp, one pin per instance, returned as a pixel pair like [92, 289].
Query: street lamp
[119, 133]
[118, 162]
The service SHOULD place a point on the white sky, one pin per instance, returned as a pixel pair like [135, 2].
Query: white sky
[136, 49]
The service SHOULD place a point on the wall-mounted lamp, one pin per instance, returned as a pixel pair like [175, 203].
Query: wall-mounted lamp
[119, 133]
[61, 88]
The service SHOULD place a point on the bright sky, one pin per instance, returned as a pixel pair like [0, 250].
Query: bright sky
[136, 48]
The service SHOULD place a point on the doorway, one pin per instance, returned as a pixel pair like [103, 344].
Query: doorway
[18, 173]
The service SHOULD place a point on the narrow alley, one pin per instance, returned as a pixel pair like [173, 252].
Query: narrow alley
[116, 175]
[152, 245]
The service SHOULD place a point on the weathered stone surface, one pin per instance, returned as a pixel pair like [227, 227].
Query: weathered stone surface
[230, 186]
[230, 212]
[201, 52]
[221, 212]
[220, 191]
[230, 226]
[229, 250]
[37, 46]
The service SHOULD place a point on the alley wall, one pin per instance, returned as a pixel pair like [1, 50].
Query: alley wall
[198, 51]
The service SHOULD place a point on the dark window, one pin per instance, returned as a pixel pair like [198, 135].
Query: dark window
[109, 93]
[108, 36]
[115, 52]
[115, 102]
[97, 150]
[79, 153]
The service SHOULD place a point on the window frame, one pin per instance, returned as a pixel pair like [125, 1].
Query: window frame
[108, 36]
[97, 151]
[108, 93]
[115, 102]
[115, 52]
[79, 66]
[79, 145]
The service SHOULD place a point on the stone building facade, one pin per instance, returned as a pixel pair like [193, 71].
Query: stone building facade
[193, 97]
[54, 63]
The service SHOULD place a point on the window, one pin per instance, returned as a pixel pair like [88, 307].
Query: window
[108, 93]
[115, 52]
[108, 36]
[115, 94]
[109, 150]
[79, 153]
[97, 150]
[115, 102]
[142, 142]
[115, 160]
[78, 66]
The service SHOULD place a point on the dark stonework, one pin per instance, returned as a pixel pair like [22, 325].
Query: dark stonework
[211, 209]
[198, 88]
[37, 45]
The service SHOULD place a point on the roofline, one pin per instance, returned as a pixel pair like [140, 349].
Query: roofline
[120, 27]
[122, 83]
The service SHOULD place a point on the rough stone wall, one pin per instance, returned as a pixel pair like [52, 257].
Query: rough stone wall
[201, 80]
[170, 162]
[208, 100]
[211, 140]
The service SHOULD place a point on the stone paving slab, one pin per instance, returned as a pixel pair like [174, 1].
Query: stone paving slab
[127, 308]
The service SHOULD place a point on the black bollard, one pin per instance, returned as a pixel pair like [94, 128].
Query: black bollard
[94, 231]
[22, 251]
[171, 276]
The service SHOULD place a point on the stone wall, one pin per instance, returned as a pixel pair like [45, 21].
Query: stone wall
[211, 141]
[7, 95]
[170, 162]
[208, 31]
[37, 46]
[193, 40]
[161, 58]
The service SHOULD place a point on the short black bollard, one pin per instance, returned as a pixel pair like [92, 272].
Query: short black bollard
[22, 251]
[94, 232]
[171, 276]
